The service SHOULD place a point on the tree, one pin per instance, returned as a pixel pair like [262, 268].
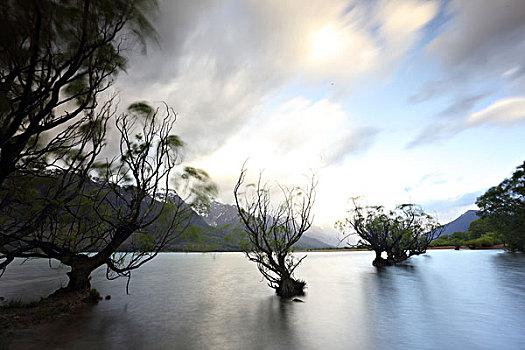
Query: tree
[28, 197]
[99, 206]
[504, 206]
[271, 231]
[400, 233]
[56, 57]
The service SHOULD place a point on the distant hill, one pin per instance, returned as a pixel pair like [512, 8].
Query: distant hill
[328, 236]
[461, 223]
[224, 217]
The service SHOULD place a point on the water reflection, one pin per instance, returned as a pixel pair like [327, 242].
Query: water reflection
[449, 300]
[510, 271]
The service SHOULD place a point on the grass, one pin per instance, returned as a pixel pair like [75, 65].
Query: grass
[19, 304]
[16, 314]
[93, 296]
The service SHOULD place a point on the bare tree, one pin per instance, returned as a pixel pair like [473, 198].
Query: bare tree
[271, 231]
[56, 57]
[400, 233]
[125, 202]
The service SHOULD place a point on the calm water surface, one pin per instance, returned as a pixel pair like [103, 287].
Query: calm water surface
[442, 300]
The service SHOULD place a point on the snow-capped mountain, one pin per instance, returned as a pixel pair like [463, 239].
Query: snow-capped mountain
[225, 215]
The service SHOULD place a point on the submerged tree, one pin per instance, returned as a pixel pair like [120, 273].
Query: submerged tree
[86, 204]
[399, 234]
[56, 57]
[271, 231]
[504, 206]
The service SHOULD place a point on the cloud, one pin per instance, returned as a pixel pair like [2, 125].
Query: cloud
[482, 36]
[451, 208]
[455, 120]
[462, 200]
[300, 136]
[462, 105]
[226, 66]
[435, 132]
[507, 111]
[399, 23]
[219, 63]
[480, 41]
[504, 113]
[351, 142]
[430, 89]
[481, 45]
[430, 179]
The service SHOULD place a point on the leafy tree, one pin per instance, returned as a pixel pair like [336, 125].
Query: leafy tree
[271, 231]
[87, 204]
[486, 240]
[486, 228]
[477, 228]
[400, 233]
[504, 206]
[56, 57]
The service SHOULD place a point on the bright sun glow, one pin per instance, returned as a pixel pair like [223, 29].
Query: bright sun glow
[326, 43]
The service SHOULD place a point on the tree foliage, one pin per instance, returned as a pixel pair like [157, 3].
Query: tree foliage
[272, 230]
[504, 205]
[400, 233]
[56, 57]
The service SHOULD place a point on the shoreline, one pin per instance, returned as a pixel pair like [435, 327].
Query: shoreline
[448, 247]
[19, 316]
[337, 249]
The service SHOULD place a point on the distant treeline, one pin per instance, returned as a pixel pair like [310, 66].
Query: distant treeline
[480, 234]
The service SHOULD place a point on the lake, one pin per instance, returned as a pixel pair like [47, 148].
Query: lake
[442, 300]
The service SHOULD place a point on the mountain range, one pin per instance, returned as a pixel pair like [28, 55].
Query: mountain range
[221, 230]
[224, 218]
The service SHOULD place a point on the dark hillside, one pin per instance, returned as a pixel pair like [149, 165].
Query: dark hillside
[461, 223]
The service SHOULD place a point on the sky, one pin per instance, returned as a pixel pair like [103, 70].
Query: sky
[393, 101]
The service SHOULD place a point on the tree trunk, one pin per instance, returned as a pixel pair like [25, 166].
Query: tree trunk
[289, 287]
[79, 280]
[380, 261]
[5, 170]
[378, 255]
